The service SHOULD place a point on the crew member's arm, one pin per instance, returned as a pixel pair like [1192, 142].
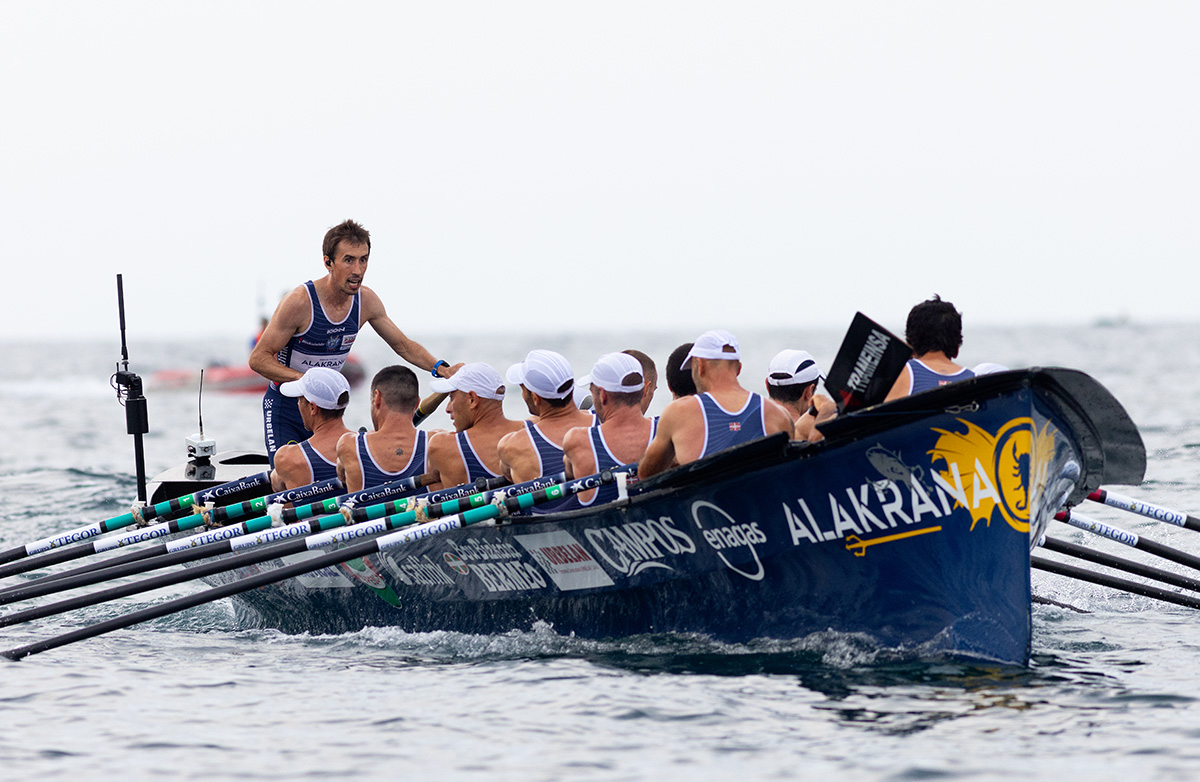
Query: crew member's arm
[518, 457]
[660, 454]
[349, 470]
[290, 318]
[902, 386]
[577, 457]
[776, 418]
[291, 468]
[413, 352]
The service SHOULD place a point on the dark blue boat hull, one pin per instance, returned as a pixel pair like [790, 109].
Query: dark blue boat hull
[911, 525]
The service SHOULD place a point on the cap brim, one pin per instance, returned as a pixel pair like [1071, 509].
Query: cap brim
[442, 386]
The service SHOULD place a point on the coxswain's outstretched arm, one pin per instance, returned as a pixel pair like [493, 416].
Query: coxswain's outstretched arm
[291, 317]
[413, 352]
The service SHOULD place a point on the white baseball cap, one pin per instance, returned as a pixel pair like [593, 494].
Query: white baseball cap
[713, 344]
[792, 367]
[322, 386]
[987, 368]
[609, 373]
[477, 377]
[545, 373]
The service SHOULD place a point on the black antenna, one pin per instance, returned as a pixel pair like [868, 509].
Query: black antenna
[200, 405]
[129, 393]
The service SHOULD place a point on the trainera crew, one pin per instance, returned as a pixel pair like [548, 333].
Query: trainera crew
[322, 395]
[722, 414]
[396, 449]
[934, 332]
[620, 437]
[316, 325]
[476, 407]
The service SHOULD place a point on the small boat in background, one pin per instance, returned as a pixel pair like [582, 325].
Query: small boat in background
[234, 378]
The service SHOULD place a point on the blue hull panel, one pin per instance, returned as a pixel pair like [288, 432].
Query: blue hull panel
[912, 528]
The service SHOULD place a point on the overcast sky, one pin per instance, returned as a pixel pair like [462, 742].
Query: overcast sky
[570, 166]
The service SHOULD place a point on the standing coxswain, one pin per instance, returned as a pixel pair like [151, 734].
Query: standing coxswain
[315, 326]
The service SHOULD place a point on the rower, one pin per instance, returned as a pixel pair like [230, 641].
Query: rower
[723, 413]
[316, 325]
[791, 381]
[547, 382]
[622, 432]
[396, 449]
[476, 407]
[650, 375]
[679, 380]
[322, 395]
[934, 332]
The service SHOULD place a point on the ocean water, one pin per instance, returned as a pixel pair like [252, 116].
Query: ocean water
[1111, 692]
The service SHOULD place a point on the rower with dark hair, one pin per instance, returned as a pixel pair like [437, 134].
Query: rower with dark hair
[934, 332]
[622, 432]
[476, 407]
[791, 382]
[679, 380]
[316, 324]
[722, 414]
[547, 382]
[395, 449]
[322, 395]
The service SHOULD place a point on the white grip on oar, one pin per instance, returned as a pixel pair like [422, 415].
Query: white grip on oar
[415, 533]
[1156, 512]
[56, 541]
[1102, 529]
[271, 535]
[130, 538]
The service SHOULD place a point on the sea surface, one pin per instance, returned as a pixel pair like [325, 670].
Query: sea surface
[1112, 692]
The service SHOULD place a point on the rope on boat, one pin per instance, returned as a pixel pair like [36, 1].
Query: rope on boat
[136, 511]
[275, 514]
[206, 512]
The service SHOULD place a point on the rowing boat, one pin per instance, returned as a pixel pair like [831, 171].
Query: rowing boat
[233, 378]
[909, 526]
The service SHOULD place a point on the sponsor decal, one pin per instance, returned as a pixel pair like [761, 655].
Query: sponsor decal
[347, 341]
[226, 490]
[333, 342]
[729, 538]
[990, 473]
[868, 362]
[61, 540]
[637, 546]
[498, 567]
[362, 570]
[565, 560]
[418, 571]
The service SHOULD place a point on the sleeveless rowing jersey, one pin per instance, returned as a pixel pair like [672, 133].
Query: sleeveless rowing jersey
[603, 458]
[319, 468]
[475, 466]
[723, 429]
[550, 462]
[923, 378]
[323, 344]
[374, 475]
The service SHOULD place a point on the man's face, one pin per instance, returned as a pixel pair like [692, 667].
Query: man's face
[349, 267]
[459, 410]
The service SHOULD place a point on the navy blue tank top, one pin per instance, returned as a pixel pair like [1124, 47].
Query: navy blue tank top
[723, 429]
[320, 467]
[374, 475]
[324, 343]
[475, 466]
[924, 378]
[605, 460]
[550, 461]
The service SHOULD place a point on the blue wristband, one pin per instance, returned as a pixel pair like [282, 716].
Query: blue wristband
[437, 366]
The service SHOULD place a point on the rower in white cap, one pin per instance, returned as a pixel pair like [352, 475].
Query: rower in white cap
[623, 431]
[547, 382]
[476, 407]
[323, 394]
[791, 382]
[722, 413]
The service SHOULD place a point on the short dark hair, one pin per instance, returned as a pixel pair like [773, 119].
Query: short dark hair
[347, 230]
[649, 371]
[934, 325]
[398, 386]
[791, 393]
[680, 380]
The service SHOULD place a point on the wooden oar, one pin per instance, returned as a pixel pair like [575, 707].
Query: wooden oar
[124, 520]
[257, 532]
[358, 550]
[1127, 538]
[214, 516]
[1119, 563]
[1083, 574]
[1149, 510]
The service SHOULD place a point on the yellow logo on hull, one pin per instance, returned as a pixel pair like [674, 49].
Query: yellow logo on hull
[987, 472]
